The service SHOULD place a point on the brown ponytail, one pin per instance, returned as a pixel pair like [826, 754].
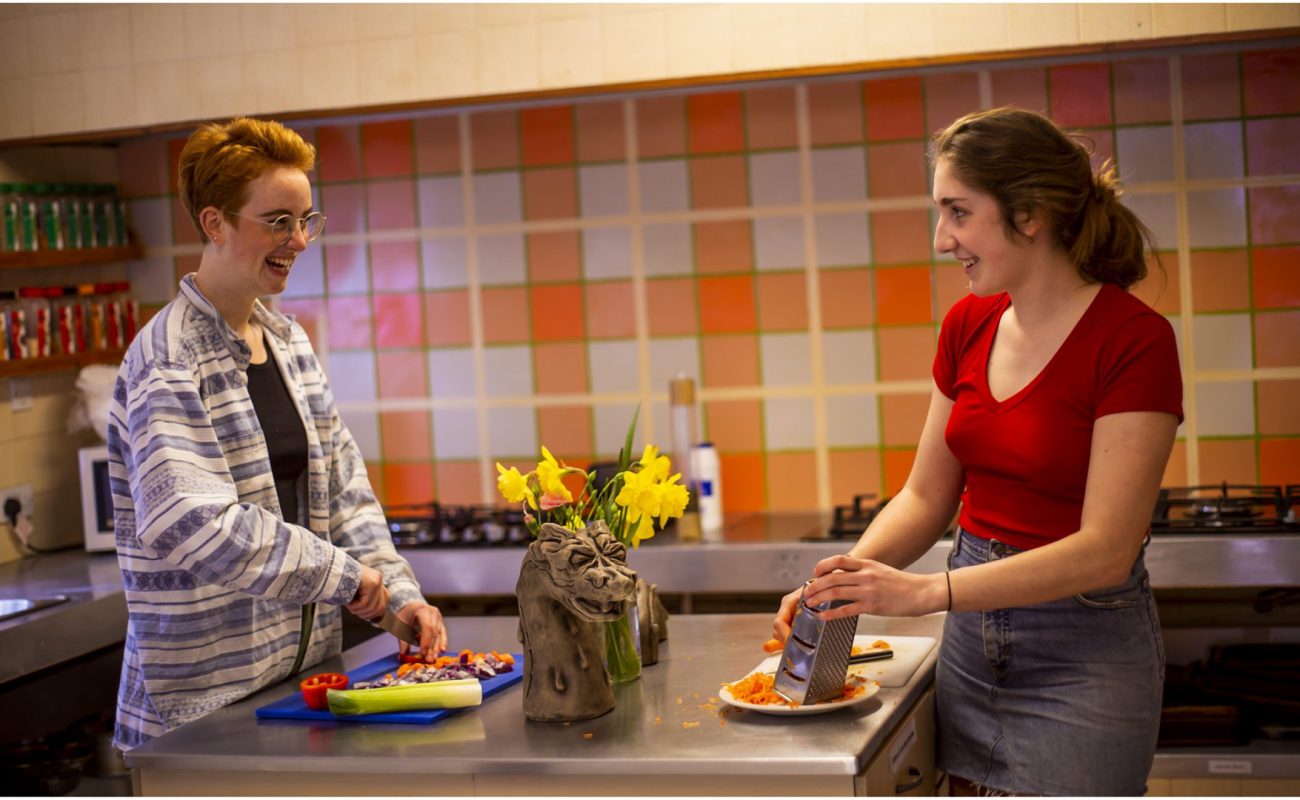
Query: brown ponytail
[1029, 165]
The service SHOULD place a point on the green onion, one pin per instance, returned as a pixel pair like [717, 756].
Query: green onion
[407, 697]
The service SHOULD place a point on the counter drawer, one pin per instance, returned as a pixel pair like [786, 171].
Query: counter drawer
[905, 764]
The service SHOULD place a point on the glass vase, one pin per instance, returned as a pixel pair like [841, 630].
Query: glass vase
[623, 646]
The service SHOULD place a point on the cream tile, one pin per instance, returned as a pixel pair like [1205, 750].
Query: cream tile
[329, 76]
[157, 33]
[384, 20]
[446, 64]
[389, 71]
[634, 46]
[969, 28]
[52, 43]
[760, 36]
[56, 103]
[788, 423]
[1225, 408]
[440, 17]
[699, 40]
[325, 23]
[1252, 16]
[1186, 19]
[1041, 24]
[109, 97]
[569, 52]
[164, 93]
[16, 100]
[273, 81]
[105, 35]
[895, 30]
[507, 58]
[268, 26]
[211, 30]
[13, 48]
[554, 11]
[219, 82]
[491, 15]
[1111, 22]
[1223, 341]
[832, 33]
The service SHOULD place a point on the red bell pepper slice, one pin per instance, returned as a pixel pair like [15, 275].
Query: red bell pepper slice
[315, 687]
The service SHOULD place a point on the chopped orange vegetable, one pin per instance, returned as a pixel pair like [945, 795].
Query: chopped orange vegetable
[690, 724]
[880, 644]
[773, 646]
[588, 735]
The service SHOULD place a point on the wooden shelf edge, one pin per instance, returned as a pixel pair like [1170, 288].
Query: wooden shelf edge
[33, 366]
[69, 258]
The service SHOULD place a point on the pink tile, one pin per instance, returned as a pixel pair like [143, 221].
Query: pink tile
[600, 131]
[949, 96]
[437, 144]
[1271, 146]
[1275, 215]
[835, 112]
[338, 151]
[770, 118]
[494, 139]
[1269, 79]
[661, 126]
[349, 323]
[142, 168]
[345, 268]
[387, 148]
[1142, 91]
[395, 266]
[897, 169]
[345, 206]
[1211, 86]
[1081, 95]
[401, 374]
[309, 314]
[1025, 87]
[391, 204]
[397, 320]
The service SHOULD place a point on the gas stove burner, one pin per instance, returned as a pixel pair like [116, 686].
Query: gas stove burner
[850, 520]
[1223, 508]
[437, 525]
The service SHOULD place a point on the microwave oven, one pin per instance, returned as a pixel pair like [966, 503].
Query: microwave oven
[96, 499]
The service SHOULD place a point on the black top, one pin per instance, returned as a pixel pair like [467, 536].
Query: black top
[286, 440]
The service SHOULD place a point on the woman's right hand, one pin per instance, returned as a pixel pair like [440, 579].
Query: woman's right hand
[372, 595]
[785, 616]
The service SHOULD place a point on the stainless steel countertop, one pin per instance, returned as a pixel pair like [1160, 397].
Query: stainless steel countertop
[643, 734]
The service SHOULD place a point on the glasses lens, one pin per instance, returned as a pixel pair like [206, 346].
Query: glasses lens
[282, 228]
[313, 225]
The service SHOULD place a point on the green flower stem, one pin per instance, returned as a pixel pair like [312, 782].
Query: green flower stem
[622, 661]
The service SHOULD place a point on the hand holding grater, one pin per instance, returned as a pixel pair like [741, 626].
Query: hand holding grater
[815, 661]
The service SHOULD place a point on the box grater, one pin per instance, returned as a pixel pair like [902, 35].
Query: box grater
[815, 661]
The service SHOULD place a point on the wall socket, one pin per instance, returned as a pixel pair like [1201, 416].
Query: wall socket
[23, 495]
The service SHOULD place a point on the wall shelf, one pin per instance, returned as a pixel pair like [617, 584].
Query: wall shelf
[10, 369]
[69, 258]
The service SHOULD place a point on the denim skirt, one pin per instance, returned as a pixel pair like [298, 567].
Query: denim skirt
[1057, 698]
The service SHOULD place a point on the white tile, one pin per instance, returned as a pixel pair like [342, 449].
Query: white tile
[1145, 154]
[788, 423]
[672, 356]
[109, 97]
[441, 201]
[447, 64]
[1213, 150]
[13, 48]
[501, 259]
[383, 20]
[613, 366]
[1217, 217]
[664, 185]
[849, 357]
[389, 71]
[842, 239]
[451, 372]
[497, 197]
[325, 23]
[444, 262]
[218, 81]
[268, 27]
[508, 371]
[1186, 19]
[164, 92]
[441, 17]
[16, 100]
[784, 359]
[151, 279]
[895, 29]
[634, 46]
[969, 27]
[778, 243]
[603, 190]
[774, 179]
[364, 427]
[667, 249]
[839, 174]
[507, 59]
[455, 433]
[832, 33]
[760, 36]
[329, 75]
[307, 279]
[211, 30]
[610, 422]
[105, 35]
[852, 421]
[352, 376]
[53, 43]
[1253, 16]
[498, 14]
[1114, 22]
[1159, 212]
[699, 39]
[272, 80]
[555, 11]
[1041, 24]
[606, 253]
[1222, 341]
[1225, 409]
[569, 53]
[157, 33]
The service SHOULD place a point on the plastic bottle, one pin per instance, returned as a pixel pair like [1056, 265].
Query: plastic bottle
[102, 213]
[8, 304]
[111, 302]
[63, 335]
[51, 217]
[708, 489]
[129, 310]
[121, 237]
[9, 220]
[69, 215]
[28, 235]
[681, 425]
[36, 308]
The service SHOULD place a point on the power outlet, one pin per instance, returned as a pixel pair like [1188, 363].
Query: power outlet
[16, 505]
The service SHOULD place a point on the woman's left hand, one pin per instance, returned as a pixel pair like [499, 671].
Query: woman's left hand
[427, 620]
[874, 588]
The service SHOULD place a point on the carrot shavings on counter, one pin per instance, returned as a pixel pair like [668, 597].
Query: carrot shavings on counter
[690, 724]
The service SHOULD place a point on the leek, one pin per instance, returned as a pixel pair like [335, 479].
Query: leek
[406, 697]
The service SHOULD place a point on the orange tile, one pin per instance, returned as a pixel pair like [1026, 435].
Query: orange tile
[900, 237]
[557, 312]
[723, 247]
[390, 204]
[719, 182]
[1080, 94]
[1276, 342]
[896, 170]
[727, 304]
[791, 481]
[1211, 85]
[1278, 407]
[1230, 460]
[561, 368]
[1270, 146]
[906, 353]
[505, 315]
[846, 298]
[1275, 215]
[566, 430]
[1025, 87]
[397, 320]
[742, 482]
[1268, 78]
[715, 122]
[734, 426]
[1279, 461]
[554, 256]
[782, 301]
[661, 126]
[459, 482]
[405, 435]
[547, 135]
[375, 474]
[1220, 279]
[835, 112]
[894, 109]
[1159, 289]
[338, 152]
[407, 484]
[904, 417]
[386, 148]
[1176, 467]
[395, 266]
[446, 316]
[437, 144]
[600, 131]
[854, 472]
[729, 360]
[183, 230]
[671, 307]
[770, 118]
[949, 96]
[349, 323]
[402, 374]
[550, 193]
[1276, 277]
[950, 285]
[1142, 91]
[611, 313]
[903, 295]
[494, 139]
[898, 465]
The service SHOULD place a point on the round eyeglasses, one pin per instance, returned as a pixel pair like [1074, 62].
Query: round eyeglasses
[282, 227]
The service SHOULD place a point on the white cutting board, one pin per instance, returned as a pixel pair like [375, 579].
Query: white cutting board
[909, 652]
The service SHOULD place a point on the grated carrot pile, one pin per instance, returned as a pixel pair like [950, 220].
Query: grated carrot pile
[757, 689]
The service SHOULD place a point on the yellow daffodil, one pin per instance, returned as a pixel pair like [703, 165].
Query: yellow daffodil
[645, 529]
[549, 474]
[672, 499]
[513, 486]
[654, 463]
[638, 495]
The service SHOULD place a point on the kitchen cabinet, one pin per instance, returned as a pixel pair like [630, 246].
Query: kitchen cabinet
[905, 765]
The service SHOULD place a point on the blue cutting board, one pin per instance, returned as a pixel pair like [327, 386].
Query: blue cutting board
[294, 707]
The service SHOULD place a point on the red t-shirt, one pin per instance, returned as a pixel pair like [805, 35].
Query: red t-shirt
[1026, 458]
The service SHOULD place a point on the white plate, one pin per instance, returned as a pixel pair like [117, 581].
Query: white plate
[869, 691]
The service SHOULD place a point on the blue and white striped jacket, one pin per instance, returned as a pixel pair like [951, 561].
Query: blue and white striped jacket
[215, 579]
